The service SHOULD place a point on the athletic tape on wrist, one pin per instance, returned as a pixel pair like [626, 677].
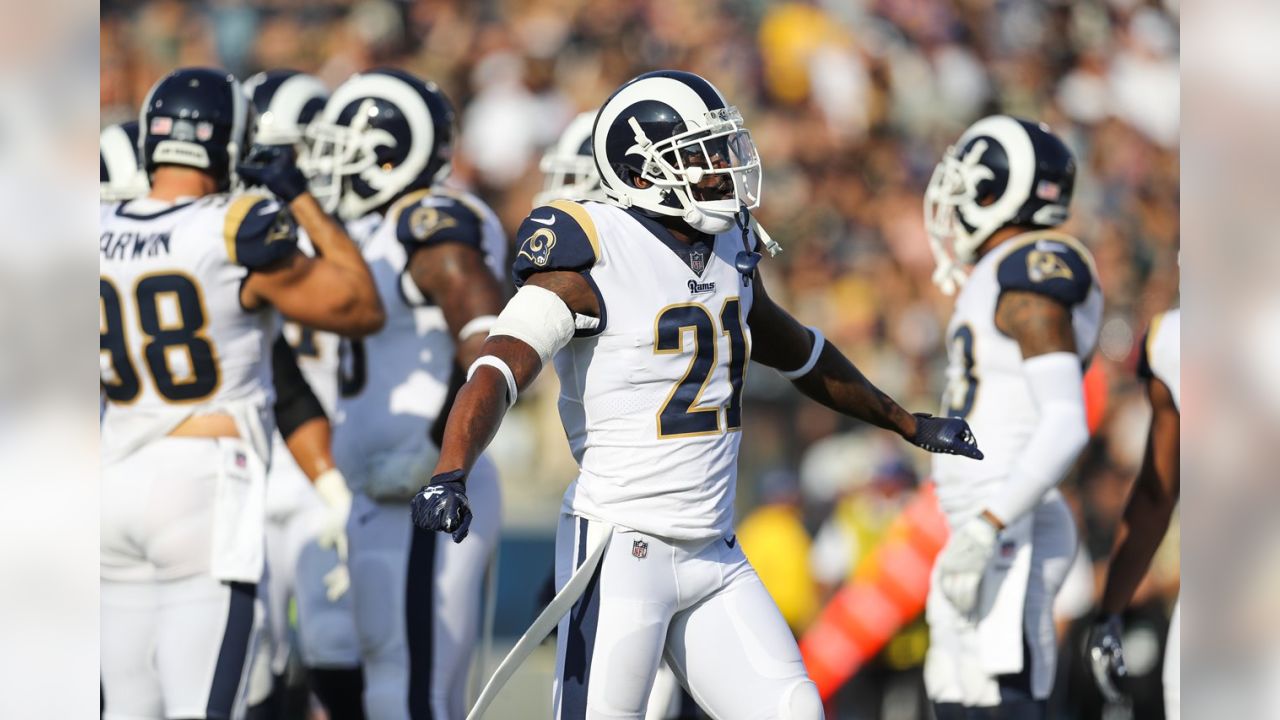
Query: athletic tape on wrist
[818, 342]
[501, 366]
[476, 326]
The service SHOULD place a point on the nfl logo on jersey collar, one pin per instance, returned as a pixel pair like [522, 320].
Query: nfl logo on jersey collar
[640, 549]
[697, 261]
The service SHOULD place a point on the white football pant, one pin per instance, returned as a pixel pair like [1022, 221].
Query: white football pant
[698, 605]
[953, 671]
[175, 641]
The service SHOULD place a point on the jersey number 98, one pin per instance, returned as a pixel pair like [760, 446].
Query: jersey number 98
[166, 336]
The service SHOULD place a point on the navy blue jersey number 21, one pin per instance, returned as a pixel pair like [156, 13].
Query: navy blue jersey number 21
[682, 414]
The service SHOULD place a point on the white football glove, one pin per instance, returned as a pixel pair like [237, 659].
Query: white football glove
[332, 489]
[397, 475]
[963, 561]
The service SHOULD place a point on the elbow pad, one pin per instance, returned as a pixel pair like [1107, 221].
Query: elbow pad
[537, 317]
[1057, 386]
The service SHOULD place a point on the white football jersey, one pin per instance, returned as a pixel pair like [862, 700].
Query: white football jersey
[985, 384]
[392, 385]
[1161, 358]
[651, 395]
[174, 336]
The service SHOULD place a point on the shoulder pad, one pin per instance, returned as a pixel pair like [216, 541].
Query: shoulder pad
[426, 219]
[258, 231]
[557, 236]
[1057, 267]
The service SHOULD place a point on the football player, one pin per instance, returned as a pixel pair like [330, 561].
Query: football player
[1147, 515]
[568, 169]
[190, 275]
[299, 519]
[651, 306]
[380, 152]
[1025, 325]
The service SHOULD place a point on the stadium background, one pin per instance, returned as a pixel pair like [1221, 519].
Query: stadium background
[851, 103]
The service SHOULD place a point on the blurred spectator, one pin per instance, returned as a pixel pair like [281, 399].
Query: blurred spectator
[776, 542]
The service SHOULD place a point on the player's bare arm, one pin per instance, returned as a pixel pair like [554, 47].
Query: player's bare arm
[1040, 324]
[333, 291]
[483, 400]
[506, 365]
[457, 279]
[317, 293]
[300, 417]
[1151, 502]
[784, 344]
[832, 380]
[308, 434]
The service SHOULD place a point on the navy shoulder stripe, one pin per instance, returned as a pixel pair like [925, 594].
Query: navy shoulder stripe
[1048, 266]
[558, 236]
[259, 231]
[432, 219]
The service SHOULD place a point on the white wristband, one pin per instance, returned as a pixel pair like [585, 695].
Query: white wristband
[501, 366]
[476, 326]
[818, 342]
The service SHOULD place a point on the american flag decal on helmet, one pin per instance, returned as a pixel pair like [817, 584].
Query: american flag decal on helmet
[1049, 191]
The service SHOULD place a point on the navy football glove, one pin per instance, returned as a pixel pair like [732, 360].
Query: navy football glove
[442, 505]
[1106, 657]
[945, 435]
[274, 167]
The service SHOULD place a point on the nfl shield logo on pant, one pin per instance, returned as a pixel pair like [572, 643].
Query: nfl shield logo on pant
[640, 549]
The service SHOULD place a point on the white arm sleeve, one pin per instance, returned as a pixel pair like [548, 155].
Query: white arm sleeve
[537, 317]
[1057, 386]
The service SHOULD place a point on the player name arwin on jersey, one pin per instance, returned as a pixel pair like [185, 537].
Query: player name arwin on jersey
[118, 246]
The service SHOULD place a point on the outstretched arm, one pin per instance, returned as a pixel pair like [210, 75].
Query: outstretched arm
[829, 378]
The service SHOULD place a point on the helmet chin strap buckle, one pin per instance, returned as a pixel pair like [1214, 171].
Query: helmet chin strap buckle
[746, 261]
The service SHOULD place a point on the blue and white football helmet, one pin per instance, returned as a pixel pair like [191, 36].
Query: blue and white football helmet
[1003, 171]
[668, 143]
[285, 101]
[120, 169]
[198, 118]
[381, 134]
[568, 167]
